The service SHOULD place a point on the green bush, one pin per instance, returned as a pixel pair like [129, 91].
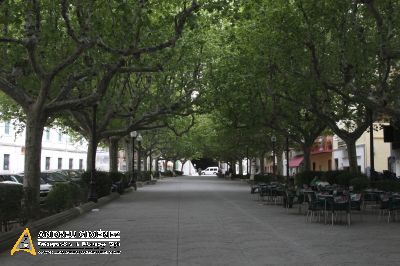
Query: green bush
[10, 201]
[103, 182]
[331, 176]
[167, 173]
[359, 183]
[63, 196]
[262, 178]
[387, 185]
[178, 172]
[306, 177]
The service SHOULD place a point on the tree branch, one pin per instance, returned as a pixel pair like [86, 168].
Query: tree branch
[180, 21]
[17, 94]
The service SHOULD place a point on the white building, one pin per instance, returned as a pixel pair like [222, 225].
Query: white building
[59, 151]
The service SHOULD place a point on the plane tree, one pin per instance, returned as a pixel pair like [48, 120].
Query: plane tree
[49, 51]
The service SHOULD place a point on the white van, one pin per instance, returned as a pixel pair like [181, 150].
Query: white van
[210, 171]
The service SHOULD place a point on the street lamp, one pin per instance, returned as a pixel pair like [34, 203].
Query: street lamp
[133, 136]
[139, 139]
[273, 140]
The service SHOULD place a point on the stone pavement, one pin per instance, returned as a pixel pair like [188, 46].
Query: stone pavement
[208, 221]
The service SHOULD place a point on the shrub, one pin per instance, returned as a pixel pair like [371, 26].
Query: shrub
[387, 185]
[331, 176]
[167, 173]
[262, 178]
[178, 172]
[359, 183]
[306, 177]
[103, 182]
[63, 196]
[10, 201]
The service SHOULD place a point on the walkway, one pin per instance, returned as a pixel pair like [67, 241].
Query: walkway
[208, 221]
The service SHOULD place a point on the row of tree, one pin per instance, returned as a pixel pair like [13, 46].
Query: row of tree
[300, 69]
[101, 69]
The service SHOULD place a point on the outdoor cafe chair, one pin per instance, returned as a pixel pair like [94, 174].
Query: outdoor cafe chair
[315, 206]
[341, 204]
[390, 205]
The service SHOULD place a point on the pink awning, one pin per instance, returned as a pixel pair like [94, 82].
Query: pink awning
[295, 161]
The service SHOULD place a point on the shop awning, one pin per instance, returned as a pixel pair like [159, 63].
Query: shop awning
[295, 161]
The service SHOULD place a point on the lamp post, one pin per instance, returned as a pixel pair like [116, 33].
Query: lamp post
[273, 140]
[133, 136]
[139, 140]
[92, 188]
[287, 158]
[371, 144]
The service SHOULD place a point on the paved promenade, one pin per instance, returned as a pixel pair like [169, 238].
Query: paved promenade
[208, 221]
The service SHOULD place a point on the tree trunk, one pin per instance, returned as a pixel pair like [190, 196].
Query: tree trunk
[352, 154]
[33, 151]
[307, 157]
[113, 152]
[240, 167]
[151, 160]
[145, 162]
[279, 159]
[128, 153]
[89, 154]
[232, 167]
[262, 163]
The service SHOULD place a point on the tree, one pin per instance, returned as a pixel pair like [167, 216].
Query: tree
[59, 56]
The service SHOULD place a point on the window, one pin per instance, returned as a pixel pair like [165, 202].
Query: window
[71, 163]
[47, 134]
[6, 162]
[59, 136]
[313, 166]
[336, 164]
[80, 164]
[59, 163]
[7, 127]
[47, 167]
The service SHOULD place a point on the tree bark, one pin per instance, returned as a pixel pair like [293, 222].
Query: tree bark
[279, 159]
[145, 162]
[307, 156]
[240, 167]
[352, 154]
[36, 120]
[262, 163]
[128, 153]
[151, 160]
[113, 152]
[89, 154]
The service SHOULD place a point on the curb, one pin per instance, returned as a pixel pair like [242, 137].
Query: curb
[8, 239]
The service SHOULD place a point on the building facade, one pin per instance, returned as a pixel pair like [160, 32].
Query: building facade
[382, 152]
[59, 150]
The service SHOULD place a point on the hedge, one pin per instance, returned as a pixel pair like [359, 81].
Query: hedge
[103, 182]
[10, 201]
[63, 196]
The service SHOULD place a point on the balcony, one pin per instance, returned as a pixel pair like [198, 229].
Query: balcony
[322, 145]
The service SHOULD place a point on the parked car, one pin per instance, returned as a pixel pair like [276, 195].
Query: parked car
[44, 187]
[7, 178]
[71, 174]
[210, 171]
[53, 177]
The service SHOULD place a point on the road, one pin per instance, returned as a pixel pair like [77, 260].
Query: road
[209, 221]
